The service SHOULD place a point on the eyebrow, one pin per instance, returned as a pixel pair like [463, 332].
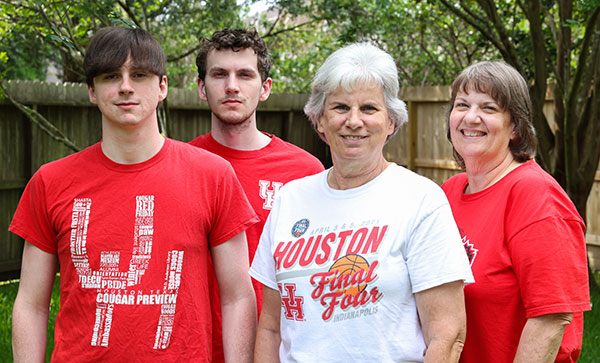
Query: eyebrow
[221, 69]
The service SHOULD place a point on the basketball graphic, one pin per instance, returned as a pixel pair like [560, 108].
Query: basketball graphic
[348, 266]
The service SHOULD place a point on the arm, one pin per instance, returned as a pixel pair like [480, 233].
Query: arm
[268, 335]
[32, 305]
[541, 337]
[443, 319]
[238, 303]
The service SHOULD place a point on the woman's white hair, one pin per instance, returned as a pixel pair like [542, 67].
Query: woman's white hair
[349, 68]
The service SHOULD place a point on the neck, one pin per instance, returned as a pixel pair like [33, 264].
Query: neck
[483, 176]
[348, 175]
[242, 136]
[131, 146]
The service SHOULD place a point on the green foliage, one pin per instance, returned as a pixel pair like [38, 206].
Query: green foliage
[8, 292]
[58, 31]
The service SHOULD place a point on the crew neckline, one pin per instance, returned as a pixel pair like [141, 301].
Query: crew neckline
[128, 168]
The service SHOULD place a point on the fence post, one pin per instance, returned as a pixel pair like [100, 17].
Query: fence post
[413, 136]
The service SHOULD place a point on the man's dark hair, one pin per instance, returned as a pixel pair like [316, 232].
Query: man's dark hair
[236, 40]
[109, 48]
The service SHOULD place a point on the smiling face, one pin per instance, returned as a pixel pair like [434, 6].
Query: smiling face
[128, 97]
[356, 124]
[232, 85]
[480, 129]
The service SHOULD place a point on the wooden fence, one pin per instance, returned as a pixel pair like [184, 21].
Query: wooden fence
[420, 145]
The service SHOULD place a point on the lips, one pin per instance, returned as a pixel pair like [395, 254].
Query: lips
[231, 101]
[126, 105]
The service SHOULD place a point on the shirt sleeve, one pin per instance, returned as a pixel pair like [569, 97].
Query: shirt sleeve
[233, 213]
[435, 254]
[31, 221]
[550, 265]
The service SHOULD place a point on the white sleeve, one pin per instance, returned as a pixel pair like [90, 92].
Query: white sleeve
[435, 253]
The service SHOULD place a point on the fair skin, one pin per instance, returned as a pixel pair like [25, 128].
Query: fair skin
[32, 304]
[443, 320]
[481, 131]
[238, 302]
[233, 88]
[268, 336]
[356, 125]
[128, 99]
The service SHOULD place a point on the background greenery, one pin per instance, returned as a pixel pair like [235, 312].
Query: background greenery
[547, 41]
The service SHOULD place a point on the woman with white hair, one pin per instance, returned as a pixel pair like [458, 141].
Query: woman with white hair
[362, 262]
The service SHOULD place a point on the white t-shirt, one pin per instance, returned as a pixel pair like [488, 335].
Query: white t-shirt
[348, 262]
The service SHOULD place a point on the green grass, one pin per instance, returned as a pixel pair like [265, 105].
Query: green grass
[8, 292]
[590, 351]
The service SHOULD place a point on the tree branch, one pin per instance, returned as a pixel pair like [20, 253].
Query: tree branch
[41, 121]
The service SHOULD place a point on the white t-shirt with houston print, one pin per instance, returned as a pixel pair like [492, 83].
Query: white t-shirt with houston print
[347, 264]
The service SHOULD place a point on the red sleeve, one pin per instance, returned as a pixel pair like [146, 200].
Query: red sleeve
[550, 264]
[233, 213]
[31, 220]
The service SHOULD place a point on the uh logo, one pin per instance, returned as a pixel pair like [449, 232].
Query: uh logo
[117, 287]
[268, 195]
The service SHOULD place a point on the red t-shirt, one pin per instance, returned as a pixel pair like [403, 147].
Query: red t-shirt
[262, 173]
[526, 244]
[133, 246]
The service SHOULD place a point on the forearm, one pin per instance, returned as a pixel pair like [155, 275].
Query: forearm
[239, 329]
[541, 338]
[267, 346]
[29, 332]
[444, 350]
[32, 305]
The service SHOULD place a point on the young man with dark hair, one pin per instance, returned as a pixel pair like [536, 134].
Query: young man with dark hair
[233, 77]
[132, 221]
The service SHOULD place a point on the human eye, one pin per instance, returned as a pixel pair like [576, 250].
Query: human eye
[491, 107]
[139, 75]
[217, 74]
[340, 107]
[369, 108]
[108, 76]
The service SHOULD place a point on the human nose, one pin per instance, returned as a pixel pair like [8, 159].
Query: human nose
[125, 86]
[354, 120]
[232, 86]
[472, 115]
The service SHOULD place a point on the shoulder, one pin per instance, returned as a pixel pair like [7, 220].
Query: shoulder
[410, 181]
[455, 183]
[532, 189]
[530, 178]
[197, 157]
[201, 141]
[290, 150]
[65, 166]
[307, 184]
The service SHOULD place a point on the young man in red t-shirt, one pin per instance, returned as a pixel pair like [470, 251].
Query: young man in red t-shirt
[132, 221]
[233, 77]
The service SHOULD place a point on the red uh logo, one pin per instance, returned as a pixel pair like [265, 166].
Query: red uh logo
[268, 195]
[291, 303]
